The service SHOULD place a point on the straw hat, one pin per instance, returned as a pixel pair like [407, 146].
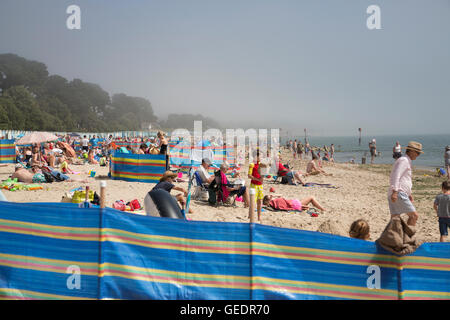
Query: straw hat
[168, 174]
[415, 146]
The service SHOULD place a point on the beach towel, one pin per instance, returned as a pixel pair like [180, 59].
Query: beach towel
[323, 185]
[398, 237]
[281, 204]
[224, 183]
[68, 152]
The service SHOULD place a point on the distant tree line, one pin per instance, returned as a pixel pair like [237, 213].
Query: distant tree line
[31, 99]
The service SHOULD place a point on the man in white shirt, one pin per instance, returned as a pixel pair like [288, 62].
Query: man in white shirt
[203, 171]
[399, 195]
[108, 141]
[85, 144]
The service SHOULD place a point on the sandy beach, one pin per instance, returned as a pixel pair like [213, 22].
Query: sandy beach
[361, 193]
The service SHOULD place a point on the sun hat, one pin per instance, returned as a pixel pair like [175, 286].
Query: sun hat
[207, 161]
[415, 146]
[168, 174]
[447, 147]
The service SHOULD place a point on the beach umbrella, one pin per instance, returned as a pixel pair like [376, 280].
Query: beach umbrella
[37, 137]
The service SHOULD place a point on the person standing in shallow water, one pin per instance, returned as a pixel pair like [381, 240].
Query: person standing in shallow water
[373, 150]
[447, 161]
[397, 150]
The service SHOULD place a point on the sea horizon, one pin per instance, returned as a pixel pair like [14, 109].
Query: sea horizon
[348, 147]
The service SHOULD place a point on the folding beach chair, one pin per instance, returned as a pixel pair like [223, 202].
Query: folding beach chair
[200, 187]
[215, 191]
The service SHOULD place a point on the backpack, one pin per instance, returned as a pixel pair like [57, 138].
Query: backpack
[212, 199]
[213, 189]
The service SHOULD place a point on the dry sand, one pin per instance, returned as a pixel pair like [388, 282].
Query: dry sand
[361, 193]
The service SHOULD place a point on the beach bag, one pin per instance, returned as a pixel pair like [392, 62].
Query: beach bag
[39, 178]
[80, 196]
[134, 204]
[96, 199]
[212, 196]
[119, 205]
[49, 178]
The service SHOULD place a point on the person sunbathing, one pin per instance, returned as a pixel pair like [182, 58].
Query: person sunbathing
[294, 176]
[143, 149]
[37, 159]
[28, 155]
[48, 155]
[59, 176]
[22, 174]
[91, 157]
[279, 203]
[312, 168]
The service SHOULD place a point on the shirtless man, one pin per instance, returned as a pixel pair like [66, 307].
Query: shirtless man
[313, 169]
[22, 174]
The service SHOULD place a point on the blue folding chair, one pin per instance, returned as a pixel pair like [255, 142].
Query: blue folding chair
[200, 187]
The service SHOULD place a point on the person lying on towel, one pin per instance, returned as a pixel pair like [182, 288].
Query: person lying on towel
[278, 203]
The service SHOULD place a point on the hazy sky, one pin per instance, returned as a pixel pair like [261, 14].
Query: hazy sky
[290, 64]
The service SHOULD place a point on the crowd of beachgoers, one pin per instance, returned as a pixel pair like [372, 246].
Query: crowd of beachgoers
[225, 187]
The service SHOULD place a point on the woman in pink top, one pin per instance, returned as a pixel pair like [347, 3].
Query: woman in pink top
[279, 203]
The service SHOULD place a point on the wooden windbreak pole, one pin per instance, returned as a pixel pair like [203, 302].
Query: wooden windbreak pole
[251, 207]
[100, 233]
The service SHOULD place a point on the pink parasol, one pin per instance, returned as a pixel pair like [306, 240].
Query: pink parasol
[37, 137]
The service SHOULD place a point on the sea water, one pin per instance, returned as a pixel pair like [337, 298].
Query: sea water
[347, 148]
